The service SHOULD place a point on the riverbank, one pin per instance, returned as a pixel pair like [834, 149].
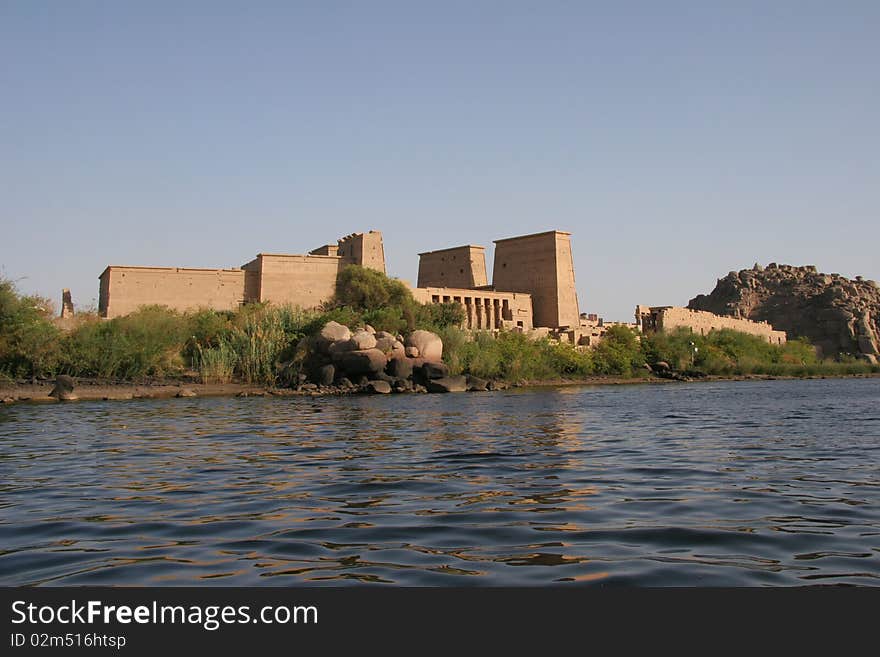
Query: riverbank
[98, 390]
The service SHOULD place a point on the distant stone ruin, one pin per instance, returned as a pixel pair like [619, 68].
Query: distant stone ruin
[66, 304]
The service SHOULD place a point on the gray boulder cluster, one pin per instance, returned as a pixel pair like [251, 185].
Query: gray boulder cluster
[379, 362]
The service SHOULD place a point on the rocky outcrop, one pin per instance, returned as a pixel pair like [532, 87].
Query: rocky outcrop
[838, 315]
[377, 362]
[340, 361]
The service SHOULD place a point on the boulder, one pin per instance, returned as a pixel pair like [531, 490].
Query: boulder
[448, 384]
[63, 390]
[476, 384]
[330, 333]
[431, 370]
[429, 344]
[363, 340]
[341, 346]
[402, 385]
[324, 375]
[412, 352]
[401, 368]
[362, 362]
[385, 344]
[378, 387]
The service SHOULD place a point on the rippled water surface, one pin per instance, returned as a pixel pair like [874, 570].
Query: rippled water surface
[733, 483]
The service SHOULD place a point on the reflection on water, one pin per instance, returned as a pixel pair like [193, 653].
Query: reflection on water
[747, 483]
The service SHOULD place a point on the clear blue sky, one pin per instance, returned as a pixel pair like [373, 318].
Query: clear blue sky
[676, 140]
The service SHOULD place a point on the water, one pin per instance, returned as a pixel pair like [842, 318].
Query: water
[731, 483]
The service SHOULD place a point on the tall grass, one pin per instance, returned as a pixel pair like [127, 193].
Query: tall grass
[217, 364]
[258, 343]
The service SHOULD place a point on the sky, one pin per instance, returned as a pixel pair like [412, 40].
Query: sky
[676, 141]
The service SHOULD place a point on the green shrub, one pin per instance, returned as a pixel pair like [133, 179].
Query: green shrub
[207, 329]
[618, 353]
[29, 340]
[389, 318]
[438, 316]
[148, 342]
[363, 288]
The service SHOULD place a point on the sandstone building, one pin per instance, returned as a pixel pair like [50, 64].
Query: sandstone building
[460, 266]
[667, 318]
[533, 281]
[301, 280]
[484, 307]
[542, 265]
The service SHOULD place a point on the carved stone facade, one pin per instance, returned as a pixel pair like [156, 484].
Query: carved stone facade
[484, 309]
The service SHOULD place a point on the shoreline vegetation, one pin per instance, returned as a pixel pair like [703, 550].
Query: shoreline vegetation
[263, 349]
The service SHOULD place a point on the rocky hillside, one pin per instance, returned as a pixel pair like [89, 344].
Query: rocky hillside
[835, 313]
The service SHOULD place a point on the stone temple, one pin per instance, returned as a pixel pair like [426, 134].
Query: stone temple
[532, 281]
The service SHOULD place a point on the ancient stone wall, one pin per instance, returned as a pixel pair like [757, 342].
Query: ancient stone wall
[306, 281]
[302, 280]
[124, 289]
[460, 266]
[667, 318]
[542, 266]
[484, 309]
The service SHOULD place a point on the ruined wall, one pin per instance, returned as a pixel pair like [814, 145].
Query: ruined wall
[125, 289]
[364, 249]
[484, 309]
[460, 266]
[542, 266]
[667, 318]
[306, 281]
